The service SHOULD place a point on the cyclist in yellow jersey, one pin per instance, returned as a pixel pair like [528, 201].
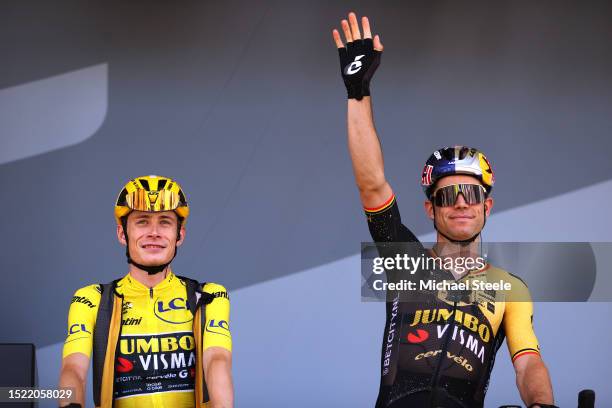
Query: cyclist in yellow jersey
[155, 339]
[437, 351]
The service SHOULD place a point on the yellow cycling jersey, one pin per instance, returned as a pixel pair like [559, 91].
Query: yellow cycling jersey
[155, 358]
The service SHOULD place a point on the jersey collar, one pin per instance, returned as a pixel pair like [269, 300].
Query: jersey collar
[129, 284]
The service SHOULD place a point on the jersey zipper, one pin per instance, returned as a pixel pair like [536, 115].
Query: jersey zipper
[441, 360]
[154, 371]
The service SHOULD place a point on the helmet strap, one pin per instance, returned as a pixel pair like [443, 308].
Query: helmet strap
[150, 269]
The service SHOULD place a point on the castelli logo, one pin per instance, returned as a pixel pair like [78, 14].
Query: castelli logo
[418, 337]
[123, 365]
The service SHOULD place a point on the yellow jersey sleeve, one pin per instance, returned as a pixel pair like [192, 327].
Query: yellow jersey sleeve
[217, 330]
[82, 320]
[518, 321]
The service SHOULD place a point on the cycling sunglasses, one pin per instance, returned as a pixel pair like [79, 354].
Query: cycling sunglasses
[162, 200]
[447, 196]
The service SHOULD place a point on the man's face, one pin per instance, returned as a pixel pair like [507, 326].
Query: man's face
[460, 221]
[151, 236]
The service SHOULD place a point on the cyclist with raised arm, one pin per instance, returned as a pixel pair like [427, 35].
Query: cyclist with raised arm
[156, 339]
[437, 351]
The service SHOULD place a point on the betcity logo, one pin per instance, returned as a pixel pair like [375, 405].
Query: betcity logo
[388, 351]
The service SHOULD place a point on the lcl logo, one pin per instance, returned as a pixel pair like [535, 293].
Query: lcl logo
[175, 311]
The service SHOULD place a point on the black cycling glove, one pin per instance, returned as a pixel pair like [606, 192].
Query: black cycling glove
[358, 62]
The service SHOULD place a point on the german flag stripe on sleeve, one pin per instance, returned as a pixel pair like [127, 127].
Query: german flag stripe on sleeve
[381, 208]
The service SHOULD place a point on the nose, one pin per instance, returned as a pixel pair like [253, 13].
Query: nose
[153, 231]
[460, 201]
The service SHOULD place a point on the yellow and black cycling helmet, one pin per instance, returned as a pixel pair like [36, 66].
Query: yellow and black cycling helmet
[152, 194]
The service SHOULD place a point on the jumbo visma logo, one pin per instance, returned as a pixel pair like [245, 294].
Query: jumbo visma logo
[465, 319]
[155, 363]
[146, 353]
[174, 311]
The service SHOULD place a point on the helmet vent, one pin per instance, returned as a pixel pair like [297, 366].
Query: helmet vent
[122, 196]
[462, 152]
[145, 183]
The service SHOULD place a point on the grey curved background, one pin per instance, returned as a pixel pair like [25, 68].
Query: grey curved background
[243, 104]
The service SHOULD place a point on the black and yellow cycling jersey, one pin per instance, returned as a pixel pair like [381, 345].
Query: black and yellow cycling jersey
[440, 352]
[155, 357]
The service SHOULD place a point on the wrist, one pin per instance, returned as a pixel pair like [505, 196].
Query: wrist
[358, 91]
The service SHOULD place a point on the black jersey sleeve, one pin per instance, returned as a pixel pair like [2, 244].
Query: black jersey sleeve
[385, 223]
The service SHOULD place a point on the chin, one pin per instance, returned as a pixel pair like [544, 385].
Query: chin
[461, 235]
[153, 261]
[466, 234]
[464, 231]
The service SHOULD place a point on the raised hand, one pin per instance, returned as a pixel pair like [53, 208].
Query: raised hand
[360, 58]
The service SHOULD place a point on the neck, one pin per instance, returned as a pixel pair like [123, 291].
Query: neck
[444, 247]
[447, 249]
[146, 279]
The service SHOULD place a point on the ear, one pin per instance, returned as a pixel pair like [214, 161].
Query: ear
[429, 209]
[182, 233]
[121, 235]
[488, 205]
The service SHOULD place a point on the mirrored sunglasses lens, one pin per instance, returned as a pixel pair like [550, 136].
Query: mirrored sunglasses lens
[447, 196]
[142, 200]
[472, 193]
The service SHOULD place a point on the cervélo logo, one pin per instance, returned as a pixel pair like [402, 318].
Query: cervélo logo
[354, 66]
